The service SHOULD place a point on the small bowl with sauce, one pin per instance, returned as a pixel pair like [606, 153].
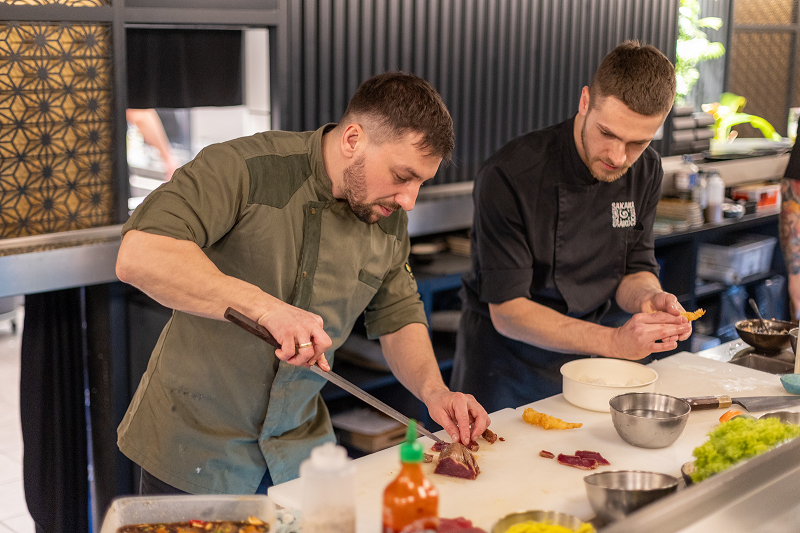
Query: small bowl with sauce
[649, 419]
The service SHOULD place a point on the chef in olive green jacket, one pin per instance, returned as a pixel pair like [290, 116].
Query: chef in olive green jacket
[302, 232]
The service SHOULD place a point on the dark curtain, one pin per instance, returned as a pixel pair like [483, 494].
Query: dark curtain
[53, 412]
[183, 68]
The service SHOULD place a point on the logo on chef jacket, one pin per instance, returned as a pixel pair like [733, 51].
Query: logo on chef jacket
[623, 214]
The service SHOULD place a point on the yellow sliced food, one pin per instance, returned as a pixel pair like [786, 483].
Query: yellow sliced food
[545, 421]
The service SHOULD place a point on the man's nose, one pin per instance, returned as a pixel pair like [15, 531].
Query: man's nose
[617, 154]
[408, 196]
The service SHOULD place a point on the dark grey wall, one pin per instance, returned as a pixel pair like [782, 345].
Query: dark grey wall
[503, 67]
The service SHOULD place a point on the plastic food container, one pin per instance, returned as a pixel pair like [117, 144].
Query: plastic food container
[752, 254]
[591, 383]
[164, 509]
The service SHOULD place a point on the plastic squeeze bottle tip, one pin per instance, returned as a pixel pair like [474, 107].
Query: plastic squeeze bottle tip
[411, 450]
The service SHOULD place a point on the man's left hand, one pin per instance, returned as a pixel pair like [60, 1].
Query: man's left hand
[461, 416]
[667, 303]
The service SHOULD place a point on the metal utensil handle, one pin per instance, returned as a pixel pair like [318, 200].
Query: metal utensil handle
[701, 403]
[251, 326]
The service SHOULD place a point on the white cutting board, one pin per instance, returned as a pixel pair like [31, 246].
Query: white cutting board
[514, 478]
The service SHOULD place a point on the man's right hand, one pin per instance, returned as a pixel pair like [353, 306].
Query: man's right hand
[303, 341]
[639, 337]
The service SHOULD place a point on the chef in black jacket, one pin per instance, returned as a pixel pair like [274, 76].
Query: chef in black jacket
[563, 223]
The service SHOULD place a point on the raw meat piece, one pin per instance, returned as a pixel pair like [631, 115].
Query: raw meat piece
[501, 439]
[439, 446]
[428, 458]
[457, 461]
[442, 525]
[577, 462]
[585, 454]
[546, 454]
[490, 436]
[473, 446]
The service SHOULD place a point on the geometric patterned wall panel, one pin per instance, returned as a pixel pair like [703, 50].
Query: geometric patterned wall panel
[763, 12]
[759, 67]
[55, 126]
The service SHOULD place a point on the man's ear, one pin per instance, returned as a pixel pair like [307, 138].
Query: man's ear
[352, 141]
[583, 105]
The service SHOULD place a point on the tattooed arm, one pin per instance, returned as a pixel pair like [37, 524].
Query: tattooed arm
[790, 238]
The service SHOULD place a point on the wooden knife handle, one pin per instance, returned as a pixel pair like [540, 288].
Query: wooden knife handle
[700, 403]
[251, 326]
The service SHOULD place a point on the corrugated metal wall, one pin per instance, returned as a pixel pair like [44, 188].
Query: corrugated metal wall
[503, 67]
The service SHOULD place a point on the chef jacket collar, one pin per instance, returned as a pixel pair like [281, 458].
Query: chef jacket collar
[582, 174]
[322, 182]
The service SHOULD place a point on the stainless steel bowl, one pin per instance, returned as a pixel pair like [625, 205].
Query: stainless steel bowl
[793, 338]
[548, 517]
[648, 419]
[787, 417]
[615, 494]
[769, 343]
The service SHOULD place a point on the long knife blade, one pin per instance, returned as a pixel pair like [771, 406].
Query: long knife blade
[751, 403]
[260, 331]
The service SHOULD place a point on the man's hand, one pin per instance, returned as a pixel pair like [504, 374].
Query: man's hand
[457, 413]
[303, 341]
[639, 337]
[668, 303]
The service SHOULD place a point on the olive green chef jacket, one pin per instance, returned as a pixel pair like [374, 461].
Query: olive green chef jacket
[215, 406]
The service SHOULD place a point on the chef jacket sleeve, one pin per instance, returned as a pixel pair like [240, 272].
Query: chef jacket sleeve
[397, 303]
[201, 202]
[504, 258]
[641, 244]
[793, 168]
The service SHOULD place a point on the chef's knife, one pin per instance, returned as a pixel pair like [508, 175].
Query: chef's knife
[751, 403]
[260, 331]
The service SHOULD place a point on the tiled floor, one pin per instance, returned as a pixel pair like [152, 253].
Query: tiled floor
[13, 511]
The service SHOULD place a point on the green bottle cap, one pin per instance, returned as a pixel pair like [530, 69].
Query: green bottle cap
[411, 450]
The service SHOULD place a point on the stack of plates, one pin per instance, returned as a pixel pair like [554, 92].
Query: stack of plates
[689, 212]
[458, 245]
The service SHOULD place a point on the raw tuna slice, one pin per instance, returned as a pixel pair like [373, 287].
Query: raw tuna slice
[457, 461]
[439, 446]
[546, 454]
[577, 462]
[473, 446]
[489, 435]
[585, 454]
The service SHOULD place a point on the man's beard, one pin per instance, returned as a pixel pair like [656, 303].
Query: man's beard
[355, 191]
[608, 178]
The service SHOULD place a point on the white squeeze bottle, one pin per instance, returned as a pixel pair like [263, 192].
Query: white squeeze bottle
[715, 195]
[329, 500]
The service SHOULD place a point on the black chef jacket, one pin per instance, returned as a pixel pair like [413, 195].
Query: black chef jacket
[545, 229]
[793, 168]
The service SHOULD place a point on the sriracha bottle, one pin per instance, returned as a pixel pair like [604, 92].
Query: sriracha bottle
[410, 497]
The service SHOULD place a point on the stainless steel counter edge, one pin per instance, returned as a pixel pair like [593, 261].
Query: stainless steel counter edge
[73, 259]
[760, 495]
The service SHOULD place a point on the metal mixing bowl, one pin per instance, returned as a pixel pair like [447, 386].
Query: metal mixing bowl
[766, 342]
[793, 338]
[615, 494]
[548, 517]
[648, 419]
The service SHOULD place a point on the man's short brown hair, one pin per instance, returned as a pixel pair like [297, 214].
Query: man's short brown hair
[638, 75]
[394, 104]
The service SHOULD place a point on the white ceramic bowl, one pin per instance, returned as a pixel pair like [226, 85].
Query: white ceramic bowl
[611, 378]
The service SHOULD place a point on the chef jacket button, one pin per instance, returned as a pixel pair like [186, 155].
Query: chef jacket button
[313, 210]
[305, 273]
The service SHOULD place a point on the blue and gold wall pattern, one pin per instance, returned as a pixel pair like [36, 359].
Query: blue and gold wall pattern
[55, 126]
